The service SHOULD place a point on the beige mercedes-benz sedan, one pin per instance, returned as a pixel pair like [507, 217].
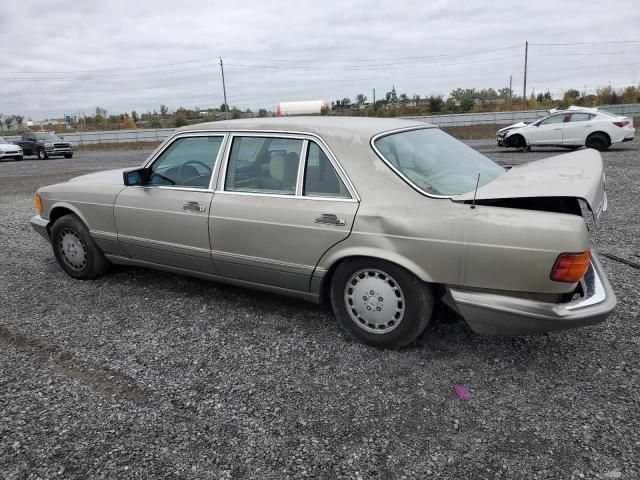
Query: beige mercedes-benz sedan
[381, 217]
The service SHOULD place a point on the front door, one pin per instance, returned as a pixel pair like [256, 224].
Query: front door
[547, 132]
[272, 218]
[165, 221]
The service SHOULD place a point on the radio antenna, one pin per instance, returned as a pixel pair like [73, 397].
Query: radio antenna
[473, 203]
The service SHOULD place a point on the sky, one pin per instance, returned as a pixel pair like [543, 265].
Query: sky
[68, 57]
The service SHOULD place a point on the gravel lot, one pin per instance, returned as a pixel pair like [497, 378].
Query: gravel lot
[143, 374]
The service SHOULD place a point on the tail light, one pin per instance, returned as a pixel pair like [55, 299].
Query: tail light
[571, 267]
[624, 123]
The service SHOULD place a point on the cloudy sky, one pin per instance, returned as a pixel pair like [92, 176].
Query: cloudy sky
[67, 57]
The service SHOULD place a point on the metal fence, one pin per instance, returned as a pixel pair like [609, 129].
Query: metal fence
[449, 120]
[464, 119]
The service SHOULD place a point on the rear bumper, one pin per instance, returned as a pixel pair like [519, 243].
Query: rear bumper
[494, 314]
[40, 225]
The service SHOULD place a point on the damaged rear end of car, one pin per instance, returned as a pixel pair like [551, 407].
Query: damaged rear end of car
[528, 229]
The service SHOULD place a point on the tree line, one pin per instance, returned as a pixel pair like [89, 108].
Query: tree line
[391, 104]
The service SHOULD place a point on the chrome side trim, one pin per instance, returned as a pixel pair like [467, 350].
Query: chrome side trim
[309, 296]
[262, 263]
[393, 168]
[277, 195]
[158, 244]
[103, 235]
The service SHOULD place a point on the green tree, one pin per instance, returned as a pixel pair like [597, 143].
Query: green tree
[164, 110]
[466, 103]
[263, 113]
[629, 95]
[223, 107]
[361, 99]
[180, 119]
[134, 116]
[435, 103]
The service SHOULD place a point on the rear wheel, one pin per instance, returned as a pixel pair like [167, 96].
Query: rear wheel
[42, 155]
[598, 140]
[75, 250]
[380, 303]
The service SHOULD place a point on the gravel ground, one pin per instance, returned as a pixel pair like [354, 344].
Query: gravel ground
[143, 374]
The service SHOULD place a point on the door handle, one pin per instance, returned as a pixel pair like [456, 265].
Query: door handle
[330, 219]
[557, 128]
[193, 207]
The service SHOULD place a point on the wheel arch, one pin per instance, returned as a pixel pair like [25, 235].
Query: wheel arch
[599, 132]
[331, 263]
[59, 209]
[510, 138]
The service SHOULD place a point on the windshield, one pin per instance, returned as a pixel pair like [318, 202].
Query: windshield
[435, 162]
[2, 140]
[47, 136]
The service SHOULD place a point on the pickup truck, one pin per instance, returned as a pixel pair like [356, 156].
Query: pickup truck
[44, 145]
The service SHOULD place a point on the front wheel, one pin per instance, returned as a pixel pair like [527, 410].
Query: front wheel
[75, 250]
[68, 155]
[19, 159]
[42, 155]
[380, 303]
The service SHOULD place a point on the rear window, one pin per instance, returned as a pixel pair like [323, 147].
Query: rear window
[435, 162]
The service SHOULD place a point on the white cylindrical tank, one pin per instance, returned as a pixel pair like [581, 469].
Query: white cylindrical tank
[311, 107]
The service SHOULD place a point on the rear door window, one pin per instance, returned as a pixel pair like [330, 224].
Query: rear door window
[267, 165]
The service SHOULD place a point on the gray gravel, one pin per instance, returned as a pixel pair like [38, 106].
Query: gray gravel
[143, 374]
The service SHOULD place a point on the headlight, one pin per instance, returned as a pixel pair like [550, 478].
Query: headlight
[48, 144]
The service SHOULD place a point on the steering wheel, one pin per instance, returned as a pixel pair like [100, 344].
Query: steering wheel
[193, 162]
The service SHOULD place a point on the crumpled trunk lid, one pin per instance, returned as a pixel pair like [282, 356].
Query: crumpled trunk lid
[577, 175]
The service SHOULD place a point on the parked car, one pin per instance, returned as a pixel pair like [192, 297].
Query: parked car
[9, 150]
[378, 216]
[45, 145]
[572, 128]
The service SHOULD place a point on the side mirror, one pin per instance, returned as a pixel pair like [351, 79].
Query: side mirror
[137, 177]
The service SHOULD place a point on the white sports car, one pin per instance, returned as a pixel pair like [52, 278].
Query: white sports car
[10, 150]
[570, 128]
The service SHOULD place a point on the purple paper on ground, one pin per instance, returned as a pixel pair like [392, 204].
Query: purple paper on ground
[462, 391]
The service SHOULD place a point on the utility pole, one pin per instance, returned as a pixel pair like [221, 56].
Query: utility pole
[510, 89]
[374, 98]
[224, 90]
[524, 91]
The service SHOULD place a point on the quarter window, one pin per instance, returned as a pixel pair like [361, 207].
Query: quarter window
[187, 162]
[263, 165]
[320, 178]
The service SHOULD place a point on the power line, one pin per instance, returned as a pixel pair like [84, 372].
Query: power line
[584, 43]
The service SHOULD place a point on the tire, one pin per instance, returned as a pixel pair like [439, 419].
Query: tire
[68, 155]
[371, 317]
[598, 141]
[19, 159]
[42, 155]
[518, 141]
[75, 250]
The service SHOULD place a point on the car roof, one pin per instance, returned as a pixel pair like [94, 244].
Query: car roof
[321, 125]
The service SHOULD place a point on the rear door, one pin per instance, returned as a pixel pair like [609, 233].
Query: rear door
[547, 132]
[166, 221]
[282, 203]
[576, 130]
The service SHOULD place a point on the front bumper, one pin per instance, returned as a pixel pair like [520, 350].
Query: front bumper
[11, 154]
[59, 150]
[41, 225]
[493, 314]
